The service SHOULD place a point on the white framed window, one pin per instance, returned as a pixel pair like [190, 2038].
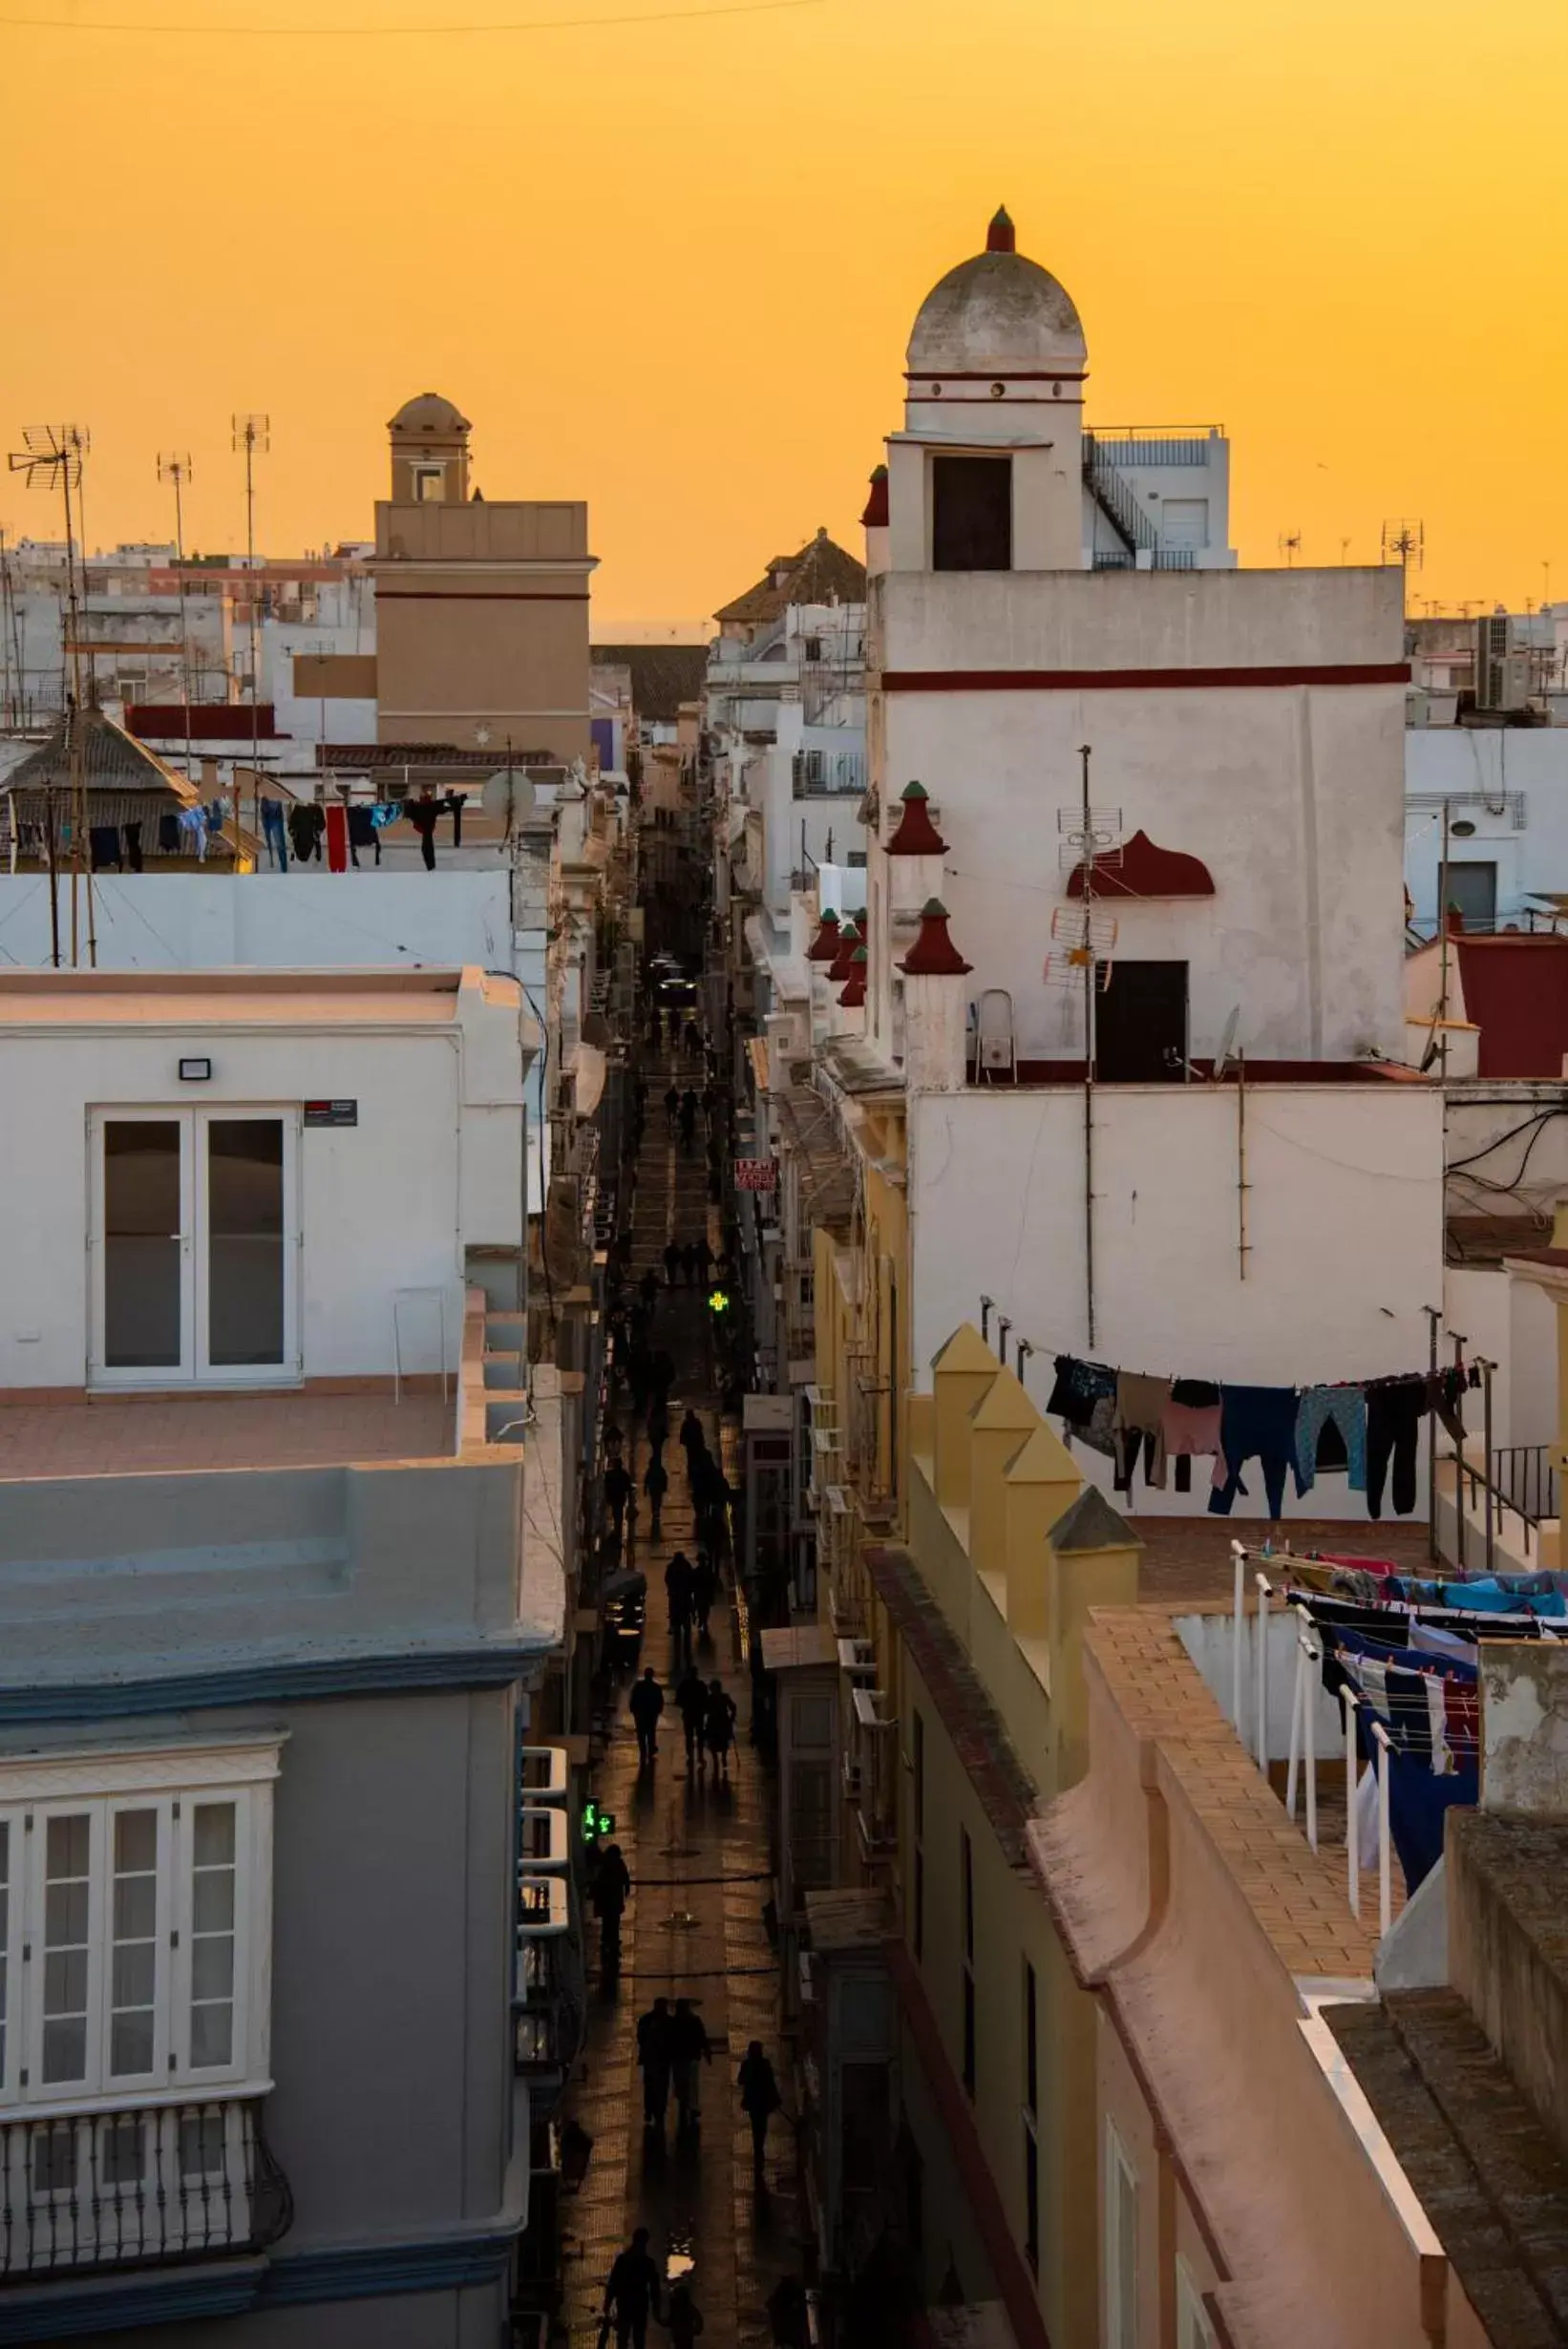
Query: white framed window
[1194, 2330]
[1120, 2225]
[135, 1926]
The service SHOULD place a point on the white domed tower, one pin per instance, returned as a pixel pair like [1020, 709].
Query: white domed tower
[429, 452]
[988, 474]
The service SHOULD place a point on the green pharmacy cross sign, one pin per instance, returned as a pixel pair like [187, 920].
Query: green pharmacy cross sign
[596, 1822]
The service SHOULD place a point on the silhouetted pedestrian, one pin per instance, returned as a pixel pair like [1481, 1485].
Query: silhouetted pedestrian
[672, 1261]
[654, 2050]
[611, 1889]
[678, 1592]
[759, 2101]
[689, 2047]
[719, 1725]
[704, 1588]
[683, 2317]
[655, 1484]
[631, 2293]
[646, 1704]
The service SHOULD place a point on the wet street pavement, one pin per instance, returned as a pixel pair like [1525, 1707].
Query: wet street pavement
[698, 1851]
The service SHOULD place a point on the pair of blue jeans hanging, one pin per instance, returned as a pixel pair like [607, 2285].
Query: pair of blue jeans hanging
[1345, 1409]
[1255, 1422]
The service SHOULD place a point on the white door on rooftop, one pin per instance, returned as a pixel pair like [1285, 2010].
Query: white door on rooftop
[194, 1247]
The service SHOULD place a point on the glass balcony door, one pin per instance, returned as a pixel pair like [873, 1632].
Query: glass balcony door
[195, 1245]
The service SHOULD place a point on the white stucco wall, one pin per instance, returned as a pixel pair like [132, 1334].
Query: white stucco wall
[1292, 796]
[273, 920]
[389, 1203]
[1344, 1216]
[1480, 770]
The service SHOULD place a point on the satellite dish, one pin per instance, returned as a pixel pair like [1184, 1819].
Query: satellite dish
[509, 798]
[1227, 1042]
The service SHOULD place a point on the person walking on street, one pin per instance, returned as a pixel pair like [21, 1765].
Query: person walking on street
[678, 1592]
[691, 1258]
[688, 1120]
[646, 1702]
[672, 1262]
[684, 2319]
[689, 2047]
[704, 1260]
[759, 2101]
[648, 1286]
[632, 2294]
[673, 1104]
[719, 1727]
[611, 1890]
[704, 1588]
[691, 1703]
[618, 1492]
[655, 1484]
[655, 2047]
[658, 1424]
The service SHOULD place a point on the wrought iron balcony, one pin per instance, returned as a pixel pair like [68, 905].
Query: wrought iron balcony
[85, 2192]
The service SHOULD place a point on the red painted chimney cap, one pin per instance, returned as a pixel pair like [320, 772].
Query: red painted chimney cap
[848, 938]
[1001, 237]
[875, 517]
[824, 946]
[933, 954]
[915, 835]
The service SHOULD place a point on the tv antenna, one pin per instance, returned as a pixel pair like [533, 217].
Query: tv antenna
[1083, 941]
[173, 466]
[1290, 546]
[252, 433]
[1404, 542]
[55, 454]
[1232, 1055]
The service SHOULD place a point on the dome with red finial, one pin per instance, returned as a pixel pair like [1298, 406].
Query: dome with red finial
[855, 991]
[997, 314]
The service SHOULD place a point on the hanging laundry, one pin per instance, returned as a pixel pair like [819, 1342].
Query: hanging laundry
[103, 847]
[1395, 1409]
[424, 815]
[1344, 1407]
[337, 837]
[1138, 1424]
[1445, 1396]
[306, 830]
[363, 832]
[194, 835]
[168, 835]
[454, 805]
[1190, 1424]
[1085, 1397]
[1255, 1422]
[1418, 1804]
[385, 812]
[1438, 1724]
[273, 834]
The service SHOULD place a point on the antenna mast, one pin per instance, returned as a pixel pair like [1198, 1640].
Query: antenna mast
[253, 434]
[1404, 542]
[54, 453]
[175, 466]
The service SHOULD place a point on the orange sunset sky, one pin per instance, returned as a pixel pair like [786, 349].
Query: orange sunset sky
[670, 267]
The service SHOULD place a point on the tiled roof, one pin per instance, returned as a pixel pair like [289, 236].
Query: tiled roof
[821, 572]
[663, 676]
[113, 765]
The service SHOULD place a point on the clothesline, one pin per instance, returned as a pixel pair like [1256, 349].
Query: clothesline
[1376, 1422]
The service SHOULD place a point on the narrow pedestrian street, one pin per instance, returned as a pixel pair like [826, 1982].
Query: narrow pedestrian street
[698, 1850]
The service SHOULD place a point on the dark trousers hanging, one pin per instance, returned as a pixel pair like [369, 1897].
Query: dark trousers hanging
[1395, 1414]
[1256, 1421]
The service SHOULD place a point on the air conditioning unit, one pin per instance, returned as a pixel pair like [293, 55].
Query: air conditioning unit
[1502, 672]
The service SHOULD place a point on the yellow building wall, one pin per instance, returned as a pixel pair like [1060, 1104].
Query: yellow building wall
[1013, 1928]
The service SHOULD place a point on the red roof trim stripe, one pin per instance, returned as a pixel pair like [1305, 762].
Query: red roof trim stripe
[1136, 680]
